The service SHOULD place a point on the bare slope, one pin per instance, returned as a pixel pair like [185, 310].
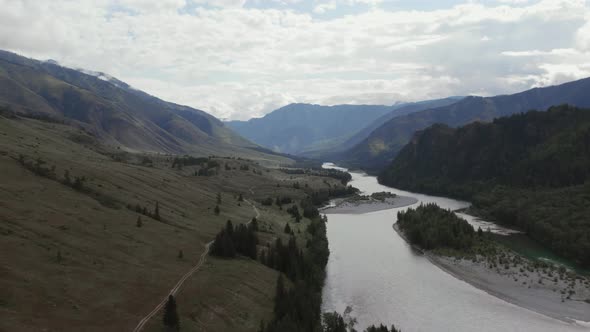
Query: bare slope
[113, 111]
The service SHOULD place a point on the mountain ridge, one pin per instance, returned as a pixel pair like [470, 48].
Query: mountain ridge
[112, 110]
[379, 149]
[295, 127]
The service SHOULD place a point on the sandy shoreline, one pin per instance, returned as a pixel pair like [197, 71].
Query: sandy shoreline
[359, 207]
[533, 290]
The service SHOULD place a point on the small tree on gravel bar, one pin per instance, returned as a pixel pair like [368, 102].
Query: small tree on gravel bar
[171, 315]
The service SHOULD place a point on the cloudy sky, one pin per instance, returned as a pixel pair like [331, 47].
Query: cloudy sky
[239, 59]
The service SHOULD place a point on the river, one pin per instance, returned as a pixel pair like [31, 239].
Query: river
[376, 273]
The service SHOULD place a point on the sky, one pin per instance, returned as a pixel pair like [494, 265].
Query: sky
[239, 59]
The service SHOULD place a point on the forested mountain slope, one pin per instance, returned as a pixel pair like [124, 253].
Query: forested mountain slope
[528, 170]
[385, 142]
[406, 109]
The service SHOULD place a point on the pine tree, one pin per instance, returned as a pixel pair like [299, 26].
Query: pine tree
[67, 178]
[157, 211]
[240, 198]
[279, 295]
[228, 248]
[180, 254]
[218, 198]
[139, 223]
[288, 229]
[170, 314]
[229, 228]
[217, 210]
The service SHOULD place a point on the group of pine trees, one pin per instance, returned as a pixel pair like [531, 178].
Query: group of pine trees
[334, 322]
[231, 241]
[344, 177]
[431, 227]
[294, 212]
[155, 214]
[179, 162]
[298, 308]
[285, 258]
[40, 168]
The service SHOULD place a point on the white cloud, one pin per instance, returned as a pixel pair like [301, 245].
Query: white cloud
[323, 7]
[236, 62]
[222, 3]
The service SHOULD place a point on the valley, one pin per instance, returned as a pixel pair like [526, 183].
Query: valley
[120, 211]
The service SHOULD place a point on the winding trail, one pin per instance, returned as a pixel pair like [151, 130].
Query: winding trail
[180, 282]
[255, 210]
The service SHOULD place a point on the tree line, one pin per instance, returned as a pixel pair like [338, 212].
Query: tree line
[431, 227]
[231, 241]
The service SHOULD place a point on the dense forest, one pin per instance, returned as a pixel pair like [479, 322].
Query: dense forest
[431, 227]
[386, 141]
[298, 308]
[529, 170]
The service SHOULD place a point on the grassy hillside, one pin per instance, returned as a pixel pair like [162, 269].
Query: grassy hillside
[529, 170]
[73, 256]
[114, 112]
[385, 142]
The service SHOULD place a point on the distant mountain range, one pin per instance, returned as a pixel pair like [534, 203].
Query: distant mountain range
[113, 111]
[383, 144]
[297, 128]
[318, 131]
[398, 110]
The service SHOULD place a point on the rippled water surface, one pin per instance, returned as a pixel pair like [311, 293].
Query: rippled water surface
[375, 272]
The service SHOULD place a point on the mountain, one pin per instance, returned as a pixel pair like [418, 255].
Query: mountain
[377, 150]
[400, 110]
[111, 110]
[531, 171]
[297, 128]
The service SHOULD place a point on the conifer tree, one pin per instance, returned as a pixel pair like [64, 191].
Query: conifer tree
[139, 223]
[171, 315]
[157, 211]
[67, 178]
[217, 210]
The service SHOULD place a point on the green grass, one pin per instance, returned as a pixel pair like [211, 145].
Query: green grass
[112, 273]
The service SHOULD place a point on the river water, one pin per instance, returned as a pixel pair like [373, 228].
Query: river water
[376, 273]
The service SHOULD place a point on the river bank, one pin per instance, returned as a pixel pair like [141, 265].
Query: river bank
[545, 291]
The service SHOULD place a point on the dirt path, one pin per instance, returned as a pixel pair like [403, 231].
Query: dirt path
[255, 210]
[174, 290]
[180, 282]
